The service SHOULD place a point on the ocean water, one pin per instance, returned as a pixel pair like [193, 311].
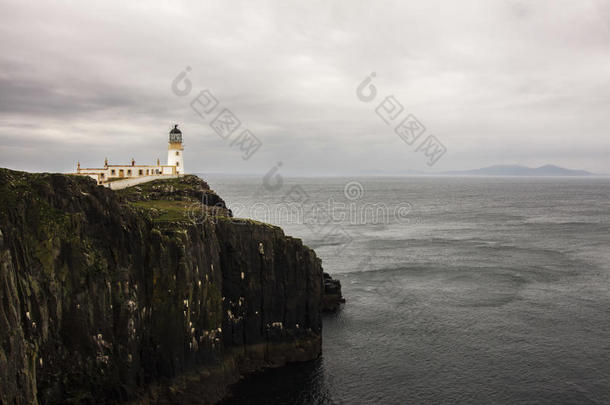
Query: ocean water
[459, 290]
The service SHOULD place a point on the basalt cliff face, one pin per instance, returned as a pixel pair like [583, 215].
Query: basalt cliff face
[143, 295]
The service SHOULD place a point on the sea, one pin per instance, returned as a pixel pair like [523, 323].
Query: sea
[460, 290]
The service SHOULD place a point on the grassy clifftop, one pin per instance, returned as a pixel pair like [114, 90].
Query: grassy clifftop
[186, 198]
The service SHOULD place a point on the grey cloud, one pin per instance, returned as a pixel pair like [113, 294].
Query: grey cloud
[497, 81]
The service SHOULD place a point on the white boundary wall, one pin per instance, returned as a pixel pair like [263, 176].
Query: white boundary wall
[121, 184]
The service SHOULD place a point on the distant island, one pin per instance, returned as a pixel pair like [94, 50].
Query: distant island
[516, 170]
[495, 170]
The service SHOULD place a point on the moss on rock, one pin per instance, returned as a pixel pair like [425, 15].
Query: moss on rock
[108, 297]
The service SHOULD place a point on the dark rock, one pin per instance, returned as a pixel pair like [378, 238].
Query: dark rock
[101, 303]
[333, 298]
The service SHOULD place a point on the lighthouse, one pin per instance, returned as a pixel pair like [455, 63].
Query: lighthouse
[126, 175]
[175, 150]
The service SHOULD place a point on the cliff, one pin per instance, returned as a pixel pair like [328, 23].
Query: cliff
[154, 294]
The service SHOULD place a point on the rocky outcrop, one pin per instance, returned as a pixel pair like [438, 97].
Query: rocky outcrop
[333, 297]
[108, 297]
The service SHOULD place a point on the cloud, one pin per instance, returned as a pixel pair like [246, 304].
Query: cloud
[495, 81]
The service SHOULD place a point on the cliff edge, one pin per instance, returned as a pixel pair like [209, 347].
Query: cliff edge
[153, 294]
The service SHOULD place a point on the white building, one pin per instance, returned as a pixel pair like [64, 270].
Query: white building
[115, 173]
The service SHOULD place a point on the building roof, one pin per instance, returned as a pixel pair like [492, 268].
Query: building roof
[175, 135]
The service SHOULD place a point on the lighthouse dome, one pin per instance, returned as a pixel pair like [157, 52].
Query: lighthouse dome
[175, 135]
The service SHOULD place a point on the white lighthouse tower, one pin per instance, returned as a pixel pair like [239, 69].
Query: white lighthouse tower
[175, 150]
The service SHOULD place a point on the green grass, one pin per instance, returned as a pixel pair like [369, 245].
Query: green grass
[179, 183]
[247, 221]
[170, 211]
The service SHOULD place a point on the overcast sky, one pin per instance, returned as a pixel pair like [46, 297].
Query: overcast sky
[497, 82]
